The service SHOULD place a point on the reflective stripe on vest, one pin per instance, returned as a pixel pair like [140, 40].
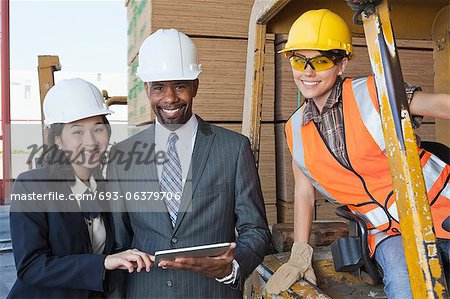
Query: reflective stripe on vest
[377, 217]
[369, 114]
[375, 237]
[299, 157]
[431, 173]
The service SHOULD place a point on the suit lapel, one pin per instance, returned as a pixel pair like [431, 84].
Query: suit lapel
[151, 179]
[70, 209]
[202, 147]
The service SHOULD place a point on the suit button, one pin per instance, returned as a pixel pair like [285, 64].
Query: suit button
[174, 240]
[169, 283]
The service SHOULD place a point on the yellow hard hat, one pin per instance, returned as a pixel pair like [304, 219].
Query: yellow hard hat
[321, 30]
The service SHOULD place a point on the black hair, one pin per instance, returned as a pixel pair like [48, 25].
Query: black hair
[59, 162]
[335, 55]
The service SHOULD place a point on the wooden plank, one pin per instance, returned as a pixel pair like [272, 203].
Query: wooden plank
[251, 120]
[265, 10]
[203, 18]
[401, 43]
[262, 12]
[324, 210]
[266, 167]
[323, 233]
[285, 211]
[284, 174]
[271, 213]
[221, 91]
[286, 92]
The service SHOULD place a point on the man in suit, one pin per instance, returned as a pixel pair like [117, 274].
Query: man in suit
[209, 173]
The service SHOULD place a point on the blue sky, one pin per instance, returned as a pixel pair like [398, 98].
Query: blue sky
[88, 36]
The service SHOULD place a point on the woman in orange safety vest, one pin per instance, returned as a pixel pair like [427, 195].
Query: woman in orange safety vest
[337, 145]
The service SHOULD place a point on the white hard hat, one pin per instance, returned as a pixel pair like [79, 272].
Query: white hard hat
[168, 55]
[73, 99]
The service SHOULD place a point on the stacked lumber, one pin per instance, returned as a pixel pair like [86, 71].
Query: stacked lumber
[194, 18]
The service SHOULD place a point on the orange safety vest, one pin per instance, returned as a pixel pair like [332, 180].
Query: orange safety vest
[366, 188]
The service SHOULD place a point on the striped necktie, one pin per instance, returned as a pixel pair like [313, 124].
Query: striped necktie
[171, 179]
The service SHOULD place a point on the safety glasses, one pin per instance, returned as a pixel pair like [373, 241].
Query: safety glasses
[318, 63]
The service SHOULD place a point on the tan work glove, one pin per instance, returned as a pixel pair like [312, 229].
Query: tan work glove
[298, 266]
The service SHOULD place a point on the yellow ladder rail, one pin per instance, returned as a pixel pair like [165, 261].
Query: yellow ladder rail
[425, 269]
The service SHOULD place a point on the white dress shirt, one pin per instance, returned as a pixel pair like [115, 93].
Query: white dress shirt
[96, 227]
[185, 144]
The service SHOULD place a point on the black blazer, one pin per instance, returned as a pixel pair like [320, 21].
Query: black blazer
[52, 250]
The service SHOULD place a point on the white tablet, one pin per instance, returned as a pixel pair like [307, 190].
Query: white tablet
[196, 251]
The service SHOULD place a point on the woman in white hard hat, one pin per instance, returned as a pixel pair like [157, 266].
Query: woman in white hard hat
[337, 145]
[62, 238]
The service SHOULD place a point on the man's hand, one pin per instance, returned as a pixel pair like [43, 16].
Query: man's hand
[213, 267]
[298, 266]
[129, 260]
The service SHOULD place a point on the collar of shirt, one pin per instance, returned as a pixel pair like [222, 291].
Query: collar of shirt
[79, 187]
[311, 112]
[186, 134]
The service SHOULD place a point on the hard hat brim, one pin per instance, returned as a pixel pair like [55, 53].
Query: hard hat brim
[49, 122]
[349, 54]
[145, 77]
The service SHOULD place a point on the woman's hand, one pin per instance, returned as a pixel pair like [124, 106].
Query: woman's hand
[129, 260]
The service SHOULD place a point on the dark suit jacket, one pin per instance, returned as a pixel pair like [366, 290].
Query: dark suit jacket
[52, 250]
[226, 197]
